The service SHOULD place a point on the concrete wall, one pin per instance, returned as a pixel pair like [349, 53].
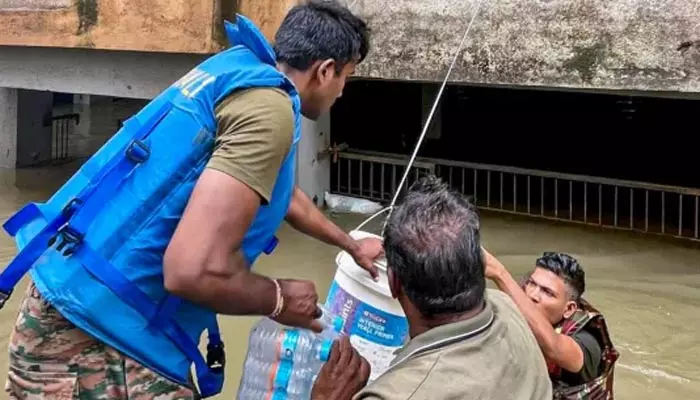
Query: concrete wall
[99, 120]
[108, 73]
[313, 165]
[8, 128]
[189, 26]
[618, 45]
[106, 114]
[34, 140]
[267, 14]
[603, 44]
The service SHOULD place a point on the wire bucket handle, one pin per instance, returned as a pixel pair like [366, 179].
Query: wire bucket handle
[373, 216]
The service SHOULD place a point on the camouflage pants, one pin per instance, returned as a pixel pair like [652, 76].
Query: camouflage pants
[50, 358]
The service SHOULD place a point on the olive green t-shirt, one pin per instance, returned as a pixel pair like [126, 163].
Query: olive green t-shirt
[255, 128]
[592, 354]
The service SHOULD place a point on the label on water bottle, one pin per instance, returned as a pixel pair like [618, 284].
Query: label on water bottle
[376, 334]
[284, 373]
[279, 395]
[287, 343]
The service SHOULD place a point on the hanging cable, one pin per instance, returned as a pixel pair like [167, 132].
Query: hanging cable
[430, 116]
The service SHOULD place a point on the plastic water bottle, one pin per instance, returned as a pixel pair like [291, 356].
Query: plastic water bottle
[283, 362]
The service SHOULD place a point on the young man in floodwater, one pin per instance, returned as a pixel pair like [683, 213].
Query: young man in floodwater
[572, 335]
[467, 342]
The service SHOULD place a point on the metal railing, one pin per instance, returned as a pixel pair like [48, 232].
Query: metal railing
[612, 203]
[374, 177]
[62, 128]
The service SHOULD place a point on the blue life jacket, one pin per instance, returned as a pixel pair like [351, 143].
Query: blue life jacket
[95, 248]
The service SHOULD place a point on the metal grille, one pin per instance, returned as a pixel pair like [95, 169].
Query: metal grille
[374, 177]
[62, 127]
[625, 205]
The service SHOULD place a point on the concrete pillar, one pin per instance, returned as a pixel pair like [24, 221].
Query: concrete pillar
[82, 105]
[313, 163]
[81, 99]
[8, 128]
[34, 112]
[430, 91]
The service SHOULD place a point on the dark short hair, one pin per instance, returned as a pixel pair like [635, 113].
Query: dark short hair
[432, 243]
[318, 30]
[567, 268]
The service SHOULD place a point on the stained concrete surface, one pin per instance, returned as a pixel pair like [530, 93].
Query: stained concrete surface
[604, 44]
[142, 25]
[33, 5]
[629, 45]
[8, 128]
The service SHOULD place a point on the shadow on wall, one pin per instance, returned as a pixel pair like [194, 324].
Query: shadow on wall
[99, 120]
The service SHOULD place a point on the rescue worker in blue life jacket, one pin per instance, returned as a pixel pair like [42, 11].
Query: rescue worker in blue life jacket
[83, 333]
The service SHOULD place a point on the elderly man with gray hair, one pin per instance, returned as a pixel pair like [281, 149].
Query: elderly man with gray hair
[467, 342]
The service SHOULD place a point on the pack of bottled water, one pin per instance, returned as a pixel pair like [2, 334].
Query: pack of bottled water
[283, 362]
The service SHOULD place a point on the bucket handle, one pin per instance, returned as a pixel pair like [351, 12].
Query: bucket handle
[378, 264]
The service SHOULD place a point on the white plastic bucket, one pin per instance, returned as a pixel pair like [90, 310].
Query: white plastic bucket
[374, 320]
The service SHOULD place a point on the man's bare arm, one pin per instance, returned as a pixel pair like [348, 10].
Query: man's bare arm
[204, 262]
[559, 349]
[304, 216]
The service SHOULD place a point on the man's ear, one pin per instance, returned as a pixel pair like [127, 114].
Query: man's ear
[570, 309]
[325, 71]
[394, 285]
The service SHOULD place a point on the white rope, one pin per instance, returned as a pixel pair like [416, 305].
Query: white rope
[365, 222]
[430, 116]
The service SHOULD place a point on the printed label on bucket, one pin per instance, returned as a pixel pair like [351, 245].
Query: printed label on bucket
[376, 334]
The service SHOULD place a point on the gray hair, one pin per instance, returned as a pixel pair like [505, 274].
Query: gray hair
[432, 244]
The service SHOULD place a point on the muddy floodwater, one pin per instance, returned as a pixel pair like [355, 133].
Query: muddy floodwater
[649, 289]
